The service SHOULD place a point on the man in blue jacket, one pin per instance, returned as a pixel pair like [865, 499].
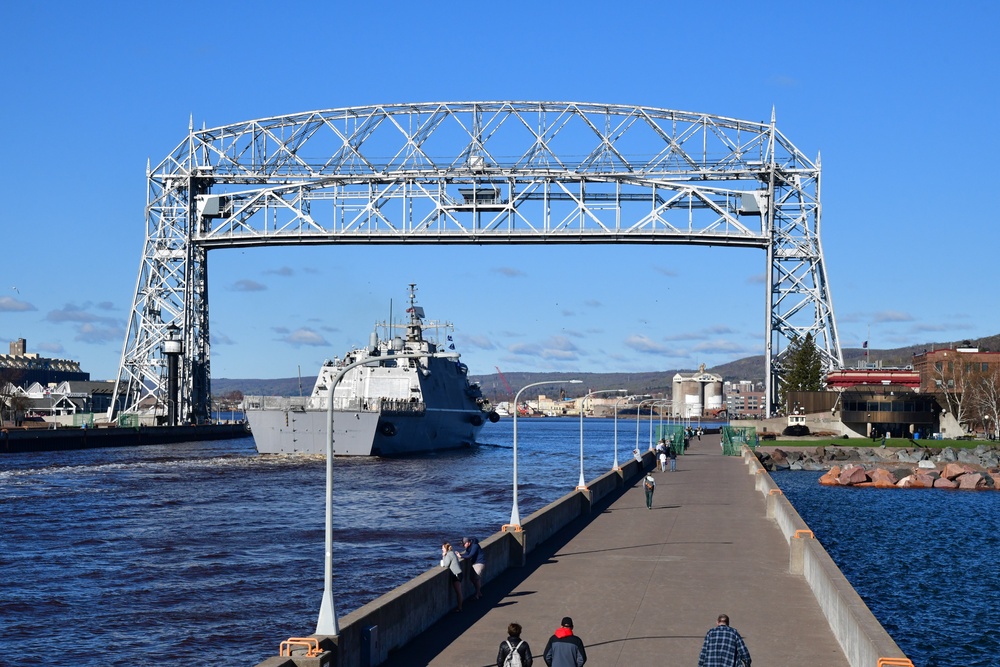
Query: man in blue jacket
[477, 562]
[564, 648]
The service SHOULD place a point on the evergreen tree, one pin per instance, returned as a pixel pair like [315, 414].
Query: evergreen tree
[803, 366]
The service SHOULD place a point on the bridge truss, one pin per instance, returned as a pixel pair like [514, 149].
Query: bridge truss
[470, 173]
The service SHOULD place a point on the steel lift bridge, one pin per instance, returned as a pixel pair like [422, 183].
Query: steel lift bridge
[468, 173]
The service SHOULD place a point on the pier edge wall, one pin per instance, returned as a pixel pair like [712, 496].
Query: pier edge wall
[410, 609]
[860, 635]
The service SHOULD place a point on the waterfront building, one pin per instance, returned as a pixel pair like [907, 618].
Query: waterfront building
[22, 368]
[697, 395]
[744, 399]
[949, 369]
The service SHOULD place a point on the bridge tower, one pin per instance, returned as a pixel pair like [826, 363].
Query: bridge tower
[469, 173]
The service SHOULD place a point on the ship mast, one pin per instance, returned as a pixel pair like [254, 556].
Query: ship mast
[414, 329]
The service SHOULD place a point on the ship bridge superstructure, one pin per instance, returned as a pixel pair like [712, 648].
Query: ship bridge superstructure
[470, 173]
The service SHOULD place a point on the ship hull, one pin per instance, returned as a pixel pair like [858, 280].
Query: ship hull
[355, 433]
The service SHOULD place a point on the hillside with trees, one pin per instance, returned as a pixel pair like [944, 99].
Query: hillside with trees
[652, 382]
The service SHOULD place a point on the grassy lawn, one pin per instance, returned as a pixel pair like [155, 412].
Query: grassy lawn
[867, 442]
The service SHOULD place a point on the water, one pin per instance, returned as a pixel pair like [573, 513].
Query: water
[163, 555]
[922, 559]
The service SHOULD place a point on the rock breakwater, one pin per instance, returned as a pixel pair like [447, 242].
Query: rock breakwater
[911, 467]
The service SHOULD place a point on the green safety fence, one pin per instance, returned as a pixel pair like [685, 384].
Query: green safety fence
[83, 419]
[128, 420]
[673, 434]
[734, 437]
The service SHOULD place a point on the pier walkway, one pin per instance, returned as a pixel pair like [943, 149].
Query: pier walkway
[643, 586]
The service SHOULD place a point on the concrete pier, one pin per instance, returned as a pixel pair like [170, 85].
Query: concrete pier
[643, 586]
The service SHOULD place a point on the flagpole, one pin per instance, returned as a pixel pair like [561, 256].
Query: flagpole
[867, 345]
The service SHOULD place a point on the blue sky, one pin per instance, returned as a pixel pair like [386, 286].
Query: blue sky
[898, 98]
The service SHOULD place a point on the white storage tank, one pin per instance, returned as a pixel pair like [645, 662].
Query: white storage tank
[713, 396]
[676, 406]
[691, 391]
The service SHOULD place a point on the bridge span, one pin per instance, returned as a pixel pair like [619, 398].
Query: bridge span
[468, 173]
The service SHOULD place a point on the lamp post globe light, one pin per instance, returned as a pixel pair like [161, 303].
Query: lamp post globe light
[515, 517]
[615, 467]
[582, 486]
[328, 624]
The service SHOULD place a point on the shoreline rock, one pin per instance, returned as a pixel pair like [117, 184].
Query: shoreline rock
[904, 468]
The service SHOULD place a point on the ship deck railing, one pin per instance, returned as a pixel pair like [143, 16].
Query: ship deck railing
[313, 403]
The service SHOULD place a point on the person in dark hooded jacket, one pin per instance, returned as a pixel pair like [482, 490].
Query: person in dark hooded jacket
[565, 649]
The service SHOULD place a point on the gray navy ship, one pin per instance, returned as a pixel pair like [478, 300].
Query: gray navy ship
[385, 404]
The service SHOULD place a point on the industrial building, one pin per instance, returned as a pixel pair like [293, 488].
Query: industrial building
[23, 368]
[697, 395]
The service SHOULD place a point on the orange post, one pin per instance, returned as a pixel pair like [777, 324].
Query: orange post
[311, 644]
[895, 662]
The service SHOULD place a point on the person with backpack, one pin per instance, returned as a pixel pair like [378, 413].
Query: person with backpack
[514, 651]
[648, 483]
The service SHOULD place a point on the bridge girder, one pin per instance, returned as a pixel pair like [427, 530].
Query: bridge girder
[471, 173]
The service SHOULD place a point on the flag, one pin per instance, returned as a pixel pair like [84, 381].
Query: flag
[864, 346]
[452, 347]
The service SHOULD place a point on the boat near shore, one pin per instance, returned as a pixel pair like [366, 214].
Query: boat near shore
[399, 395]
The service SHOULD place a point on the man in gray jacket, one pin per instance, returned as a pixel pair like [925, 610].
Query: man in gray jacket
[564, 648]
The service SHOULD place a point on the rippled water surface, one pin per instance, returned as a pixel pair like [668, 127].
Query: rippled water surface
[164, 554]
[924, 560]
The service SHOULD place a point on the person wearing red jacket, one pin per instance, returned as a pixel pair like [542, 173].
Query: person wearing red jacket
[565, 649]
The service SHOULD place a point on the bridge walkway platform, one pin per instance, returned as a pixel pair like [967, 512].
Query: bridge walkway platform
[644, 585]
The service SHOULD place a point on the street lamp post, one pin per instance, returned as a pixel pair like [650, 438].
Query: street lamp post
[327, 623]
[582, 486]
[638, 419]
[615, 467]
[662, 404]
[515, 517]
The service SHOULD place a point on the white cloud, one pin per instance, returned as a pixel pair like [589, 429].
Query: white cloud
[644, 344]
[221, 339]
[11, 305]
[480, 342]
[73, 313]
[95, 334]
[247, 285]
[892, 316]
[305, 336]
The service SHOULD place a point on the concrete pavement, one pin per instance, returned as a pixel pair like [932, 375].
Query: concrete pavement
[643, 586]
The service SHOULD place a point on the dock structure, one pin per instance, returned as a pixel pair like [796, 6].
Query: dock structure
[643, 586]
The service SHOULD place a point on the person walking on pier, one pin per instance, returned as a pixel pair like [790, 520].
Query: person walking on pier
[672, 453]
[449, 559]
[477, 561]
[565, 649]
[514, 645]
[723, 647]
[648, 483]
